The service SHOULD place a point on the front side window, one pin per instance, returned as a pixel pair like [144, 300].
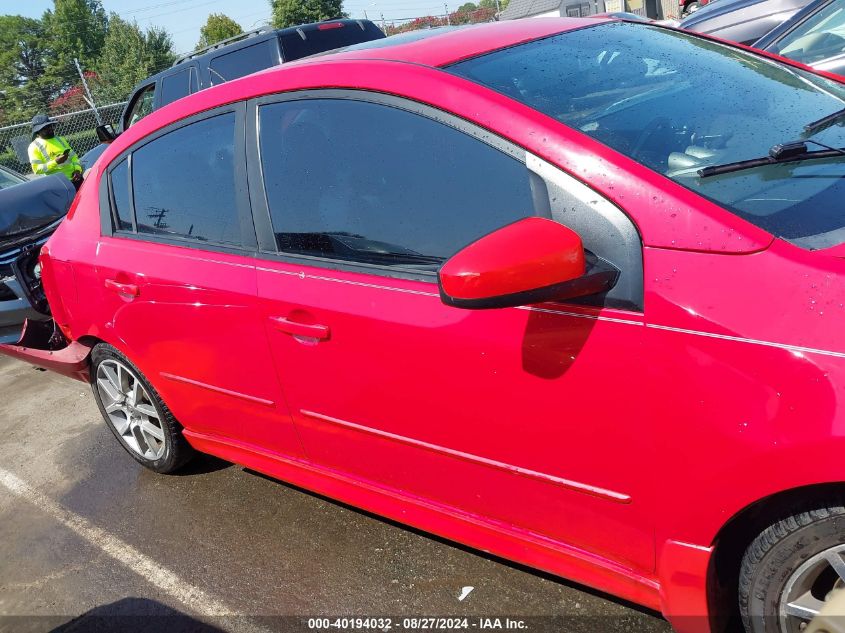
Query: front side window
[241, 62]
[370, 183]
[184, 183]
[677, 103]
[141, 107]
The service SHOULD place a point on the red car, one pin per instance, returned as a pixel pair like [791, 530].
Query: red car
[570, 292]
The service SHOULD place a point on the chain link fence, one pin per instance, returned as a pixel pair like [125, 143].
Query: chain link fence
[77, 127]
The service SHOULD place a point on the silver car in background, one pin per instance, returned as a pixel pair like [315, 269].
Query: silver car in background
[743, 21]
[814, 36]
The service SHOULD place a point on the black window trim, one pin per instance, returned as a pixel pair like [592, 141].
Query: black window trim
[248, 237]
[193, 79]
[138, 95]
[258, 196]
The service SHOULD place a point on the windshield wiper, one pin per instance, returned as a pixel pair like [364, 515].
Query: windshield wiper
[824, 122]
[783, 153]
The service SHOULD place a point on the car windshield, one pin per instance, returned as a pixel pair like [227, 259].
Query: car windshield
[9, 180]
[676, 103]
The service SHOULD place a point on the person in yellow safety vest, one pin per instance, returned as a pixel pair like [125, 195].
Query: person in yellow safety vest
[51, 154]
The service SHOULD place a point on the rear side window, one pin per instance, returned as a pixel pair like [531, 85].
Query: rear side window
[184, 183]
[242, 62]
[175, 86]
[121, 196]
[375, 184]
[325, 37]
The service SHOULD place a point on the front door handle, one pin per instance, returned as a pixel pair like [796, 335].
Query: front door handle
[125, 290]
[316, 331]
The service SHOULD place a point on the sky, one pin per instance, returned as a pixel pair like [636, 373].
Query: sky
[183, 18]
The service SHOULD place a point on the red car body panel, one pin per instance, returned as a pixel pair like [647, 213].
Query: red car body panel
[735, 355]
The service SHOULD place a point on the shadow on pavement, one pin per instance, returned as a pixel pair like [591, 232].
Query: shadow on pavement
[135, 615]
[202, 464]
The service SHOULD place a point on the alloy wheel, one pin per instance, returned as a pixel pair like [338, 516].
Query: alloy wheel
[130, 409]
[810, 586]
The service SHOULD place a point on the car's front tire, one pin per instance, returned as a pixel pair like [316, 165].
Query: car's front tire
[791, 569]
[135, 413]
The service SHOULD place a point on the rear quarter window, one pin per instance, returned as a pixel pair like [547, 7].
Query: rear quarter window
[243, 61]
[121, 195]
[175, 86]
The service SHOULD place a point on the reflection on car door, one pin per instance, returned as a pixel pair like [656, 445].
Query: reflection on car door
[177, 277]
[522, 416]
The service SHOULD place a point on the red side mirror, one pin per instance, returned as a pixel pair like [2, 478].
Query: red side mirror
[530, 261]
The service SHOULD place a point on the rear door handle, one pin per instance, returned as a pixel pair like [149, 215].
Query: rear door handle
[127, 290]
[319, 332]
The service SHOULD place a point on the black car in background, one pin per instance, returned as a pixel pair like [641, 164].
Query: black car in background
[30, 210]
[230, 59]
[814, 36]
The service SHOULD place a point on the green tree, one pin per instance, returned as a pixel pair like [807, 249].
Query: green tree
[491, 4]
[128, 56]
[218, 27]
[467, 7]
[159, 49]
[293, 12]
[74, 29]
[25, 88]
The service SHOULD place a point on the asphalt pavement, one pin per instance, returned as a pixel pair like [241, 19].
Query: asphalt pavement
[91, 541]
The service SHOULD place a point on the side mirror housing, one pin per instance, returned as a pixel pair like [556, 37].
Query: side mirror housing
[106, 133]
[530, 261]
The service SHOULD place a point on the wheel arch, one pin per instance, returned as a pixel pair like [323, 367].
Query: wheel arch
[736, 534]
[90, 341]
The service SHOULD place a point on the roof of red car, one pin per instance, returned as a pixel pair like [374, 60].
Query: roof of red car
[447, 46]
[437, 49]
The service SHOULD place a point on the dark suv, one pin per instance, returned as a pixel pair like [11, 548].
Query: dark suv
[232, 58]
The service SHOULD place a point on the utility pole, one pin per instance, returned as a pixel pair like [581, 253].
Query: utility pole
[89, 98]
[383, 25]
[448, 19]
[498, 7]
[366, 18]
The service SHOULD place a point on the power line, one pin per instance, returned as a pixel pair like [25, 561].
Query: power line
[157, 6]
[141, 17]
[202, 4]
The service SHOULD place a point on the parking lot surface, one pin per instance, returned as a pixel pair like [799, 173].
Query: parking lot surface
[89, 540]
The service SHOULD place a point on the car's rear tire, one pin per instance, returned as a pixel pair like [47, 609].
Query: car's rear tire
[135, 413]
[690, 8]
[791, 568]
